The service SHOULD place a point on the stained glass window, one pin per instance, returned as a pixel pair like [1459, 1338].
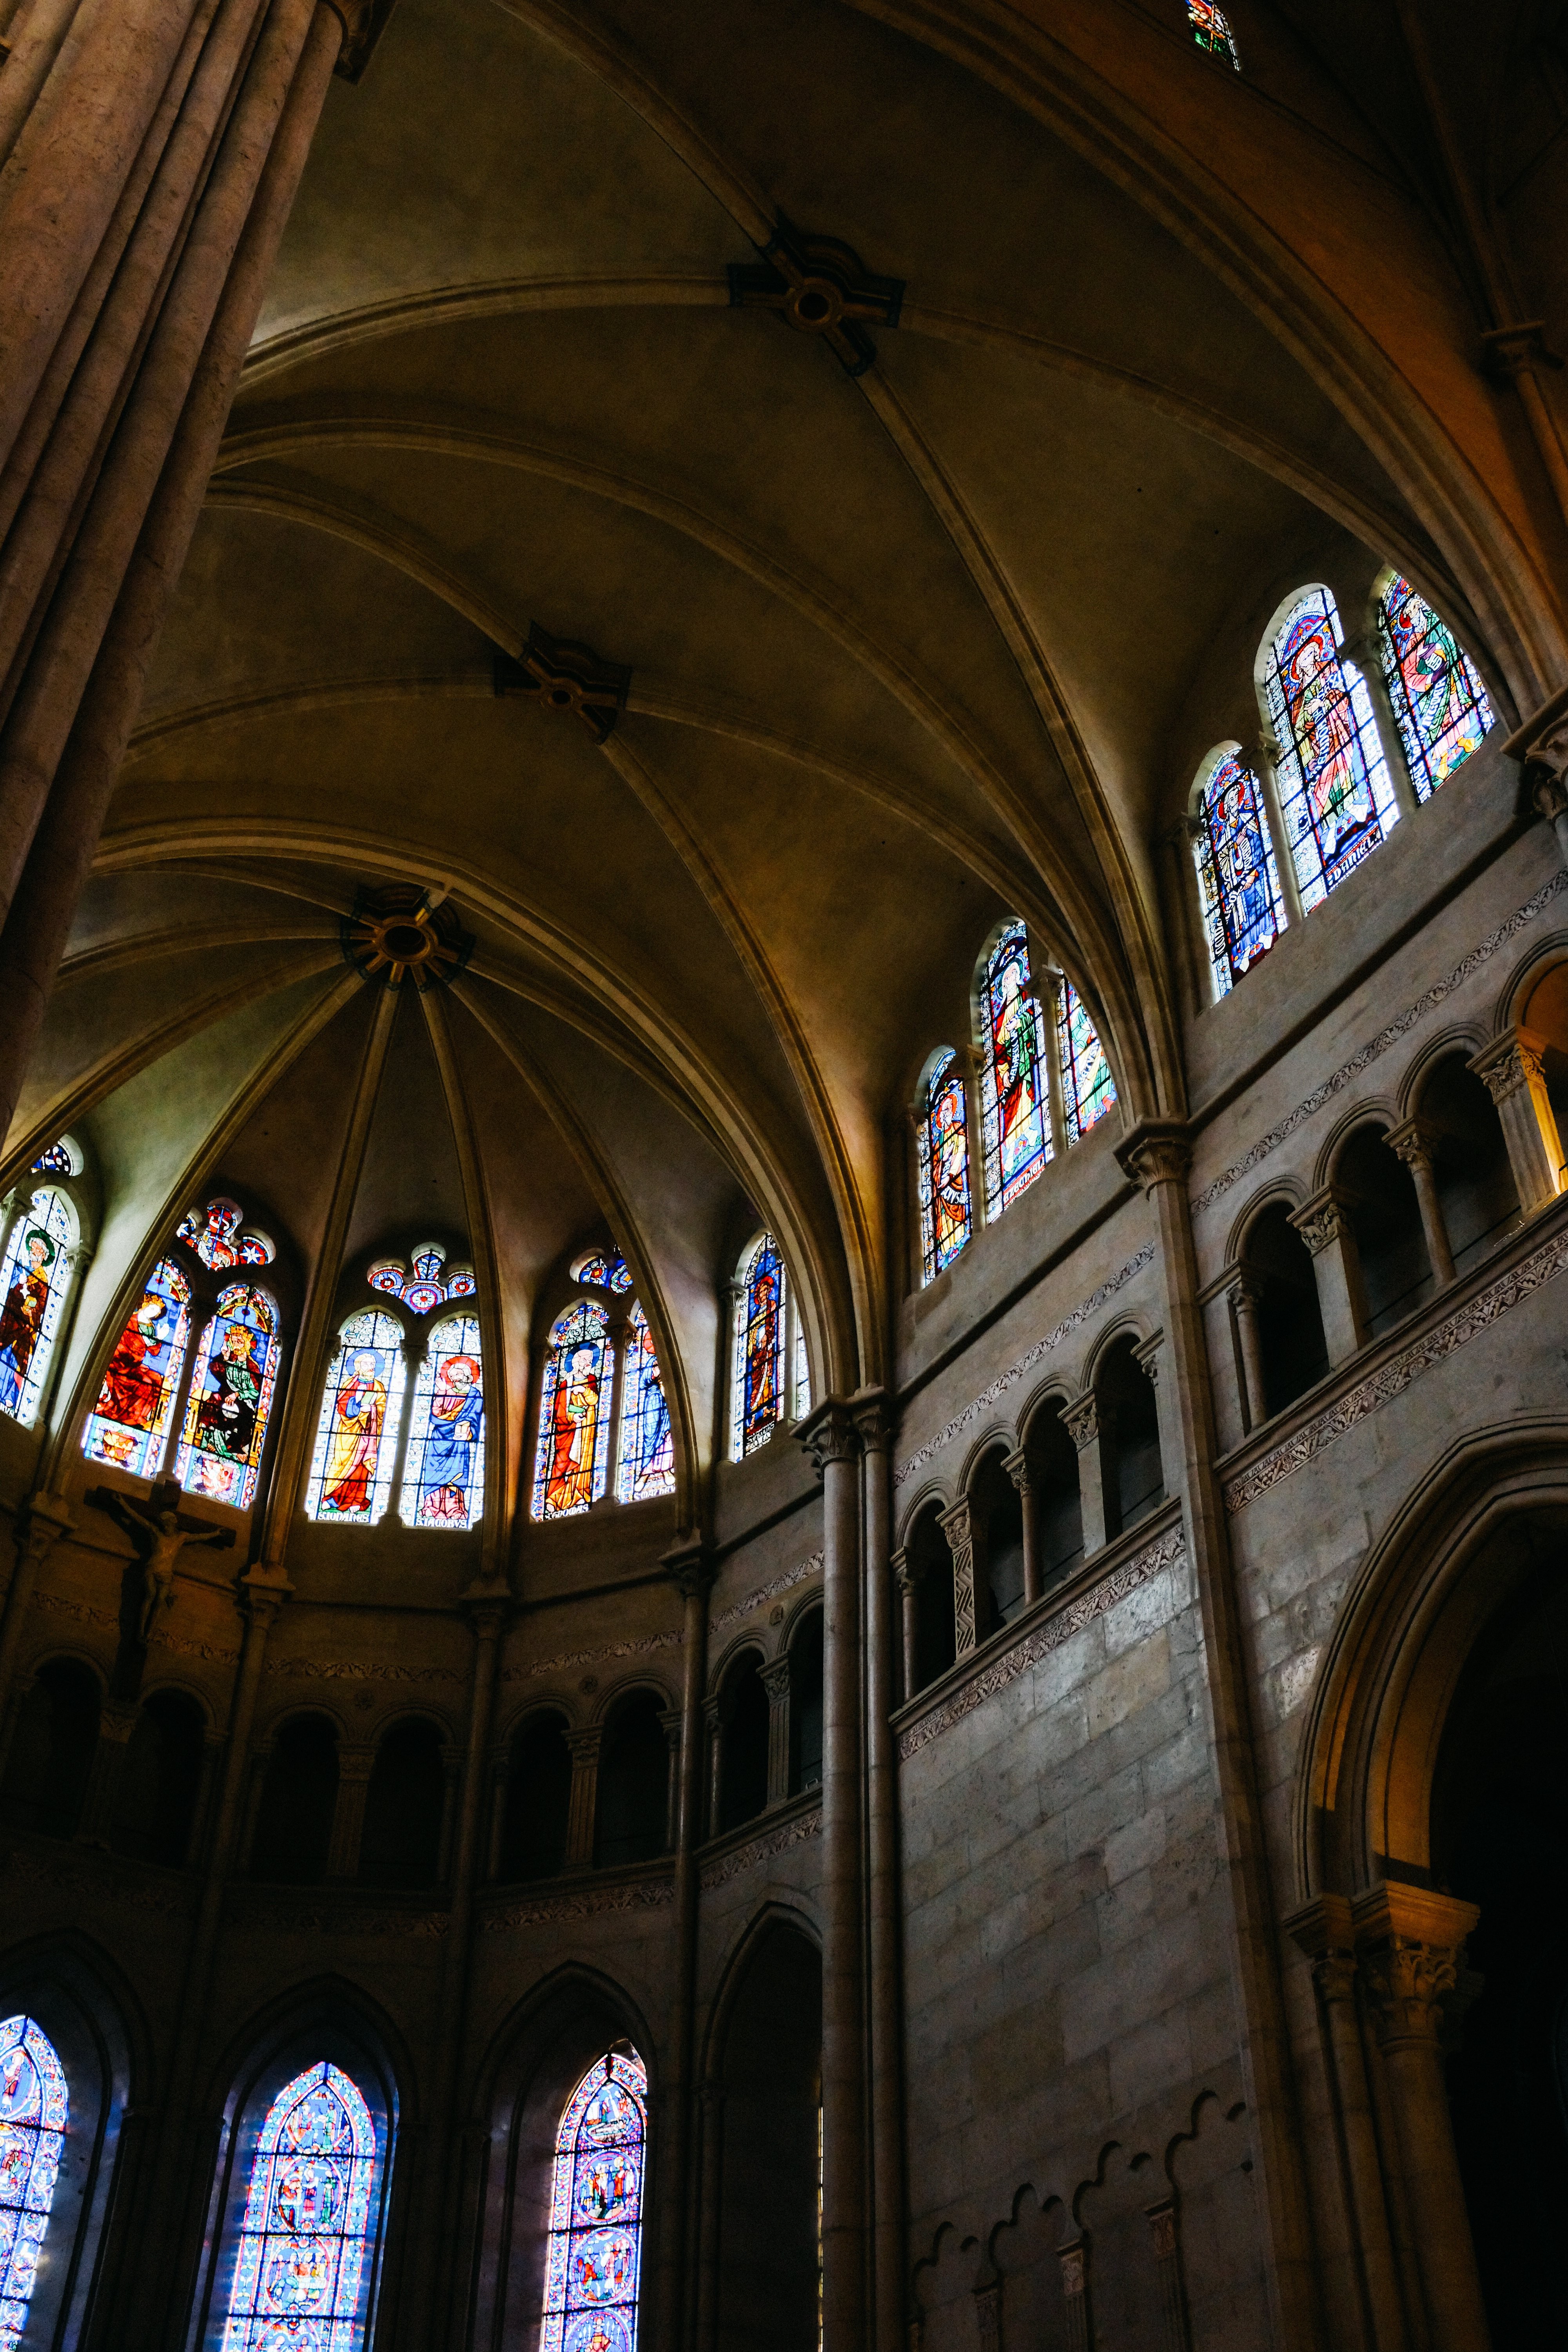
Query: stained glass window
[573, 1460]
[944, 1155]
[426, 1284]
[1088, 1087]
[302, 2269]
[389, 1276]
[129, 1426]
[32, 2113]
[58, 1160]
[602, 1270]
[444, 1476]
[231, 1397]
[759, 1346]
[356, 1439]
[1236, 875]
[461, 1282]
[1338, 800]
[1211, 30]
[424, 1288]
[1015, 1105]
[214, 1233]
[648, 1445]
[33, 1284]
[1439, 703]
[594, 2253]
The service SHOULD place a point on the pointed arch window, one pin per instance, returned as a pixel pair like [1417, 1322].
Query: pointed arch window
[1088, 1087]
[1440, 706]
[943, 1140]
[573, 1460]
[301, 2275]
[1015, 1098]
[762, 1355]
[1334, 785]
[34, 2110]
[230, 1400]
[444, 1476]
[1211, 31]
[1237, 878]
[646, 1465]
[128, 1426]
[34, 1279]
[593, 2258]
[362, 1409]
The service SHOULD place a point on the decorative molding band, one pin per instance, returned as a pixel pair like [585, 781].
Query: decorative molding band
[770, 1591]
[1391, 1378]
[116, 1886]
[1399, 1027]
[637, 1648]
[84, 1614]
[761, 1849]
[346, 1919]
[353, 1670]
[1026, 1363]
[60, 1604]
[1140, 1569]
[642, 1895]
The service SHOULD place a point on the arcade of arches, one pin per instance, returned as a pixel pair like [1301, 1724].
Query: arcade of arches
[783, 937]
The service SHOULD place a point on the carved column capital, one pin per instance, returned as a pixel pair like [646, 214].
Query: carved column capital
[1548, 785]
[1409, 1943]
[486, 1604]
[1146, 1356]
[1513, 1063]
[1016, 1465]
[689, 1568]
[957, 1524]
[1414, 1143]
[829, 1433]
[355, 1763]
[1081, 1419]
[41, 1522]
[1323, 1219]
[775, 1679]
[264, 1590]
[1156, 1152]
[583, 1744]
[873, 1414]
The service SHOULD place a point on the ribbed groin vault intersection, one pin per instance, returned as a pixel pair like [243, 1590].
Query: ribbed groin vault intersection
[783, 1037]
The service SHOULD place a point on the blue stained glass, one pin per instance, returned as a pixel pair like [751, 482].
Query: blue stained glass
[34, 2111]
[759, 1367]
[1015, 1105]
[1440, 706]
[231, 1401]
[573, 1459]
[1242, 913]
[56, 1162]
[1211, 30]
[604, 1271]
[1088, 1087]
[214, 1233]
[444, 1476]
[1339, 804]
[594, 2253]
[648, 1442]
[33, 1286]
[301, 2271]
[129, 1426]
[943, 1152]
[356, 1438]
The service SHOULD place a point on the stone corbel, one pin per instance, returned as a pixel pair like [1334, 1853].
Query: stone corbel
[1513, 1071]
[1323, 1224]
[1414, 1143]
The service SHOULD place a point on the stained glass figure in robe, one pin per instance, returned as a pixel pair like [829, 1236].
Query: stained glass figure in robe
[1211, 30]
[356, 1438]
[1088, 1087]
[1334, 785]
[1236, 875]
[56, 1162]
[129, 1426]
[760, 1346]
[592, 2255]
[1015, 1119]
[605, 1271]
[943, 1175]
[301, 2270]
[230, 1399]
[444, 1476]
[573, 1459]
[1440, 706]
[33, 1287]
[648, 1442]
[34, 2111]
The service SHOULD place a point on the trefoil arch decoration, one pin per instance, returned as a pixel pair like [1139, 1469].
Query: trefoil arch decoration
[1238, 882]
[216, 1232]
[1211, 31]
[602, 1270]
[1440, 706]
[40, 1257]
[362, 1413]
[592, 2259]
[444, 1476]
[941, 1146]
[1336, 792]
[604, 1424]
[423, 1281]
[770, 1381]
[33, 2113]
[302, 2267]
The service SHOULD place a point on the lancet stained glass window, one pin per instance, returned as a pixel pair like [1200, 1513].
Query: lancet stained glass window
[1236, 875]
[301, 2271]
[33, 1281]
[575, 1399]
[356, 1438]
[1211, 30]
[1338, 800]
[129, 1426]
[214, 1233]
[230, 1400]
[593, 2253]
[1440, 706]
[944, 1155]
[1015, 1104]
[34, 2110]
[443, 1475]
[1088, 1087]
[759, 1346]
[648, 1446]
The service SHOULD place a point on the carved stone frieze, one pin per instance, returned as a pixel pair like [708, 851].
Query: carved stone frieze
[765, 1848]
[582, 1903]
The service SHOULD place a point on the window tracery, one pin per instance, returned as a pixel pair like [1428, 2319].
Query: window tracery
[425, 1281]
[594, 2251]
[1088, 1090]
[646, 1465]
[602, 1270]
[574, 1412]
[361, 1411]
[1237, 879]
[128, 1426]
[34, 2110]
[301, 2269]
[1336, 789]
[1015, 1119]
[35, 1276]
[761, 1349]
[1440, 706]
[942, 1144]
[230, 1400]
[214, 1234]
[444, 1476]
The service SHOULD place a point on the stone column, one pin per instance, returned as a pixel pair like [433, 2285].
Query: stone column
[832, 1440]
[775, 1679]
[1513, 1071]
[1165, 2237]
[908, 1585]
[1074, 2260]
[713, 1729]
[585, 1750]
[988, 2316]
[1412, 1143]
[691, 1572]
[1409, 1943]
[355, 1766]
[1323, 1224]
[451, 1798]
[1084, 1425]
[670, 1718]
[1150, 1358]
[115, 1725]
[957, 1526]
[501, 1774]
[1016, 1465]
[1245, 1296]
[873, 1421]
[39, 1525]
